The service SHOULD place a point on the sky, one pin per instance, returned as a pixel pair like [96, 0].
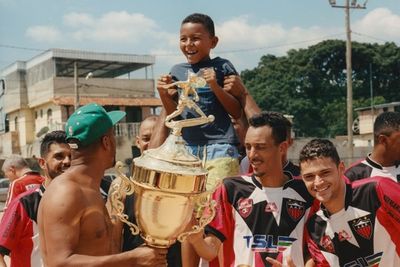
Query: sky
[247, 29]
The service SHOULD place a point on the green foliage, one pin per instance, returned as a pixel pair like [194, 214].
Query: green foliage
[311, 83]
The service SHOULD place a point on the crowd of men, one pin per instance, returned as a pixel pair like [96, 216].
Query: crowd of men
[331, 216]
[273, 213]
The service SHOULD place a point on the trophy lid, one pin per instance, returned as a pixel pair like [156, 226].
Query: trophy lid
[171, 157]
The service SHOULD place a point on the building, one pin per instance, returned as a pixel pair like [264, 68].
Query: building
[364, 124]
[39, 95]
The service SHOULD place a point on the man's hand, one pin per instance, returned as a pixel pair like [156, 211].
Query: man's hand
[234, 85]
[149, 257]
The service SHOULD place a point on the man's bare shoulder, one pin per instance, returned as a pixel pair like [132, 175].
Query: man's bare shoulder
[64, 192]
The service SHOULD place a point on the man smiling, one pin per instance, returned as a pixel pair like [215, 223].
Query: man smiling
[356, 225]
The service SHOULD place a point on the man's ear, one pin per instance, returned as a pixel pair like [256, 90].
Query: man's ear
[382, 139]
[42, 163]
[341, 168]
[214, 42]
[283, 147]
[105, 141]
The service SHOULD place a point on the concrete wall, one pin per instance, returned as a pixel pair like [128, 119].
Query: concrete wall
[48, 115]
[41, 92]
[16, 92]
[9, 144]
[358, 152]
[21, 121]
[40, 72]
[104, 87]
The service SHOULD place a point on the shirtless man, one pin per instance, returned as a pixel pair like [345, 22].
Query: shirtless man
[74, 225]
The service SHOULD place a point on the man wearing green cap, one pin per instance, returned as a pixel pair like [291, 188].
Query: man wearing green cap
[74, 226]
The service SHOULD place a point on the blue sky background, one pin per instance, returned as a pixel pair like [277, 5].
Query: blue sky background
[247, 29]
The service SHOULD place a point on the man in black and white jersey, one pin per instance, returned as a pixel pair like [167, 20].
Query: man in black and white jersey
[259, 218]
[357, 224]
[385, 158]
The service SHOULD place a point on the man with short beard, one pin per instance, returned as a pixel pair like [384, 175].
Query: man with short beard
[18, 231]
[259, 218]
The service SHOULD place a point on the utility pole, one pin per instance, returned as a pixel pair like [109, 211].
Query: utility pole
[349, 99]
[76, 85]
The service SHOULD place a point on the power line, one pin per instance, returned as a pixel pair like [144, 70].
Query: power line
[240, 50]
[369, 36]
[21, 47]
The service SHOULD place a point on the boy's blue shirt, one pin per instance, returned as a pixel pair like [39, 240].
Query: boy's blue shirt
[221, 130]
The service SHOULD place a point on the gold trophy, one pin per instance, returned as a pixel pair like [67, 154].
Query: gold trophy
[169, 183]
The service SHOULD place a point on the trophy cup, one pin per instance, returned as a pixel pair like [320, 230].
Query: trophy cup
[169, 183]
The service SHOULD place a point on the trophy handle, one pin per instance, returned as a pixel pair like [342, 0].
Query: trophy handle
[207, 206]
[120, 189]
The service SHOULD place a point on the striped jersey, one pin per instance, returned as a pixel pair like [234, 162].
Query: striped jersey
[19, 233]
[255, 222]
[365, 233]
[369, 168]
[24, 183]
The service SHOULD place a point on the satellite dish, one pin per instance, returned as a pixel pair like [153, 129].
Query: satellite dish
[42, 131]
[356, 126]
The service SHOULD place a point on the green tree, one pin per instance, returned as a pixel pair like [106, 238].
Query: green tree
[311, 83]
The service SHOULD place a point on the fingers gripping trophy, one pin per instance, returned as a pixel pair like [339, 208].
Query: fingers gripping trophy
[169, 183]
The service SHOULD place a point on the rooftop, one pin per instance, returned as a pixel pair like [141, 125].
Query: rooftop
[105, 65]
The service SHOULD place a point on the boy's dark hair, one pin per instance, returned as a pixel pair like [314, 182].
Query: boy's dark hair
[386, 123]
[275, 120]
[318, 148]
[58, 137]
[203, 19]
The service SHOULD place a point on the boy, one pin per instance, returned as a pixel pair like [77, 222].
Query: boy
[216, 141]
[357, 224]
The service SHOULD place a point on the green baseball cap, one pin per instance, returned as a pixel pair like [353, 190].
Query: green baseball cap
[88, 123]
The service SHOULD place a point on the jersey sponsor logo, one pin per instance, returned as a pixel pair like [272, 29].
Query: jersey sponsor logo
[371, 261]
[327, 244]
[245, 206]
[295, 208]
[362, 226]
[265, 243]
[343, 235]
[271, 207]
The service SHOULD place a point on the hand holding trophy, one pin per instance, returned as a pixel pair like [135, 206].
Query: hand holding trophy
[169, 183]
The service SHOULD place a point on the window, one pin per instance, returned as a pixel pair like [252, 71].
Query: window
[16, 124]
[49, 114]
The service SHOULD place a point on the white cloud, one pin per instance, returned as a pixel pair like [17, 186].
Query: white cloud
[45, 34]
[380, 23]
[240, 34]
[248, 42]
[118, 31]
[116, 27]
[78, 19]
